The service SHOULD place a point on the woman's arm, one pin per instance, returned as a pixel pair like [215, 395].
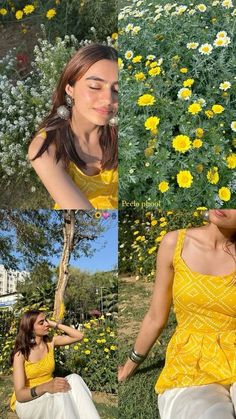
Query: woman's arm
[23, 393]
[157, 315]
[55, 178]
[72, 335]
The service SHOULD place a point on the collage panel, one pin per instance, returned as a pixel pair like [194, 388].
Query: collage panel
[58, 311]
[177, 304]
[177, 104]
[59, 99]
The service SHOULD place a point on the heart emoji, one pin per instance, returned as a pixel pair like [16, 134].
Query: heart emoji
[105, 215]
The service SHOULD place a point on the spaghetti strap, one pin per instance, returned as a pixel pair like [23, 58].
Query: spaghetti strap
[179, 245]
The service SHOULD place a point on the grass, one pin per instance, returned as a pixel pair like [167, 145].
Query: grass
[137, 398]
[105, 404]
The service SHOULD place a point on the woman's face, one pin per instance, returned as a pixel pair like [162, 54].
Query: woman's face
[96, 93]
[223, 218]
[41, 325]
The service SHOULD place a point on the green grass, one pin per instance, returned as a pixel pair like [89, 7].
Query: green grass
[137, 398]
[107, 410]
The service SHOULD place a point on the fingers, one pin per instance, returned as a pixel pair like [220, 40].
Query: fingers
[61, 385]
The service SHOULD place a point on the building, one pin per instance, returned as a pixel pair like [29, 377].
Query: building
[9, 279]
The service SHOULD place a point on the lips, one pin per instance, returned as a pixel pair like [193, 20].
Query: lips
[220, 213]
[103, 111]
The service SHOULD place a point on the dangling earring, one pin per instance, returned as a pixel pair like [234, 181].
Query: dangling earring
[63, 111]
[32, 339]
[206, 216]
[113, 121]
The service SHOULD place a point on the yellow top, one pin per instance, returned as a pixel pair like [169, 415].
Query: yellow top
[202, 349]
[37, 372]
[101, 189]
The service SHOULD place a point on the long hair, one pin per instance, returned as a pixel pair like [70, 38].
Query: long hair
[59, 131]
[25, 337]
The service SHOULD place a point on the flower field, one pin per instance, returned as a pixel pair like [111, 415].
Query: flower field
[177, 105]
[140, 233]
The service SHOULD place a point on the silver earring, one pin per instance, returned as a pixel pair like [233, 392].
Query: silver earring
[113, 121]
[206, 215]
[32, 339]
[63, 111]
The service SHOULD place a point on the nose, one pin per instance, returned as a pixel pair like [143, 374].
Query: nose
[108, 95]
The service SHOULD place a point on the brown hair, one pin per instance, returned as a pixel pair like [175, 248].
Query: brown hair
[25, 337]
[59, 130]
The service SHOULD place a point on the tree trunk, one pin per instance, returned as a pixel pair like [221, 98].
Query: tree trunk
[68, 233]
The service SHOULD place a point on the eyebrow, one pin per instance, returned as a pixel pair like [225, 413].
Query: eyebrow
[99, 79]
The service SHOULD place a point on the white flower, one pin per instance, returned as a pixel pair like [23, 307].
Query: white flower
[225, 85]
[222, 42]
[233, 12]
[151, 57]
[192, 45]
[205, 49]
[136, 29]
[227, 4]
[129, 54]
[184, 93]
[233, 126]
[221, 34]
[129, 27]
[201, 7]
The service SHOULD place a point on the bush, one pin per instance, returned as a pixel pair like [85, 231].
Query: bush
[140, 234]
[177, 120]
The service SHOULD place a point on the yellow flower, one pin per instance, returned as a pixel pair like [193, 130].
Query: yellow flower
[106, 350]
[217, 108]
[19, 14]
[67, 347]
[151, 123]
[149, 151]
[154, 71]
[213, 175]
[153, 223]
[197, 143]
[113, 347]
[209, 113]
[199, 132]
[87, 352]
[163, 224]
[114, 36]
[181, 143]
[224, 193]
[151, 250]
[140, 76]
[112, 334]
[163, 186]
[87, 326]
[3, 11]
[146, 100]
[183, 70]
[98, 341]
[231, 161]
[28, 9]
[85, 340]
[184, 179]
[194, 108]
[120, 63]
[137, 59]
[199, 168]
[75, 348]
[51, 13]
[184, 93]
[188, 82]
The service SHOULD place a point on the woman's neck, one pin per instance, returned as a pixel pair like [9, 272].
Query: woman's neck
[85, 131]
[218, 236]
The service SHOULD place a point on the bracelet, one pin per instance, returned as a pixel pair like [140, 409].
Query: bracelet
[136, 357]
[33, 392]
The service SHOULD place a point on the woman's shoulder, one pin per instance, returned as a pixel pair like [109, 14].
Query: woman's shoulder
[18, 357]
[37, 143]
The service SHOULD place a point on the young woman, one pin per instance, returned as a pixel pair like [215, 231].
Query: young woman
[36, 393]
[197, 269]
[75, 150]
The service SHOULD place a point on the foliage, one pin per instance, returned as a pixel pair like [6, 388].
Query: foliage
[95, 357]
[142, 231]
[177, 121]
[63, 17]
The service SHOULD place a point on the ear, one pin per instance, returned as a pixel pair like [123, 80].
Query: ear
[69, 90]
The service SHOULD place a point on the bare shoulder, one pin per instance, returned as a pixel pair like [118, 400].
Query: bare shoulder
[196, 232]
[170, 239]
[36, 144]
[18, 358]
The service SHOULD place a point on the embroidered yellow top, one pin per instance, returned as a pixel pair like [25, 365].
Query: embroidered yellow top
[37, 372]
[101, 189]
[203, 347]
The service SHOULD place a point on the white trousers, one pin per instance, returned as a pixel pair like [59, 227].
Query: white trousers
[74, 404]
[212, 401]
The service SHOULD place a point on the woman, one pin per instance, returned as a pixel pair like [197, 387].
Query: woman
[75, 150]
[197, 269]
[36, 393]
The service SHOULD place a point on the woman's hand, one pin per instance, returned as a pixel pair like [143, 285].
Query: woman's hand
[57, 385]
[52, 323]
[127, 370]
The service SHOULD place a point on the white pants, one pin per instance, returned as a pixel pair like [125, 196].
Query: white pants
[74, 404]
[212, 401]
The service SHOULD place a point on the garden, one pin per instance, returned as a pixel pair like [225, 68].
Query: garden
[89, 299]
[38, 38]
[140, 235]
[177, 104]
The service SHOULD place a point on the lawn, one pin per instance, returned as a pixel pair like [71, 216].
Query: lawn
[137, 398]
[106, 404]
